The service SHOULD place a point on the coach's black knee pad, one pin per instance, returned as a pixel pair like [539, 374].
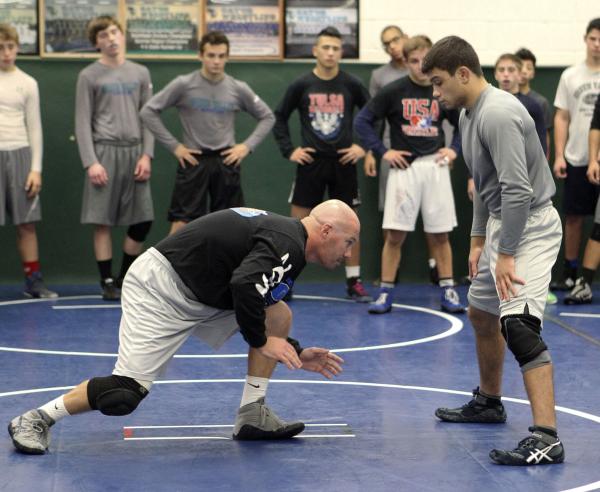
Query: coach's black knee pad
[138, 232]
[115, 395]
[522, 335]
[595, 232]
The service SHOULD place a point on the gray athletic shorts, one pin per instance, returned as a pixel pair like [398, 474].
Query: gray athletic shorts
[536, 254]
[123, 201]
[159, 314]
[14, 169]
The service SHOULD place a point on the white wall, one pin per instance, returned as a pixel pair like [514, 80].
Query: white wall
[552, 29]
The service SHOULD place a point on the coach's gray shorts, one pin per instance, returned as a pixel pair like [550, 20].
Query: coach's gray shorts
[122, 201]
[159, 314]
[14, 169]
[536, 254]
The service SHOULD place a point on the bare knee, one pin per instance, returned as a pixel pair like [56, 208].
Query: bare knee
[439, 239]
[395, 239]
[484, 323]
[25, 230]
[278, 320]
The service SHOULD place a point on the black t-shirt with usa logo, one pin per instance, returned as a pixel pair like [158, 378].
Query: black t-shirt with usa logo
[242, 259]
[326, 110]
[414, 115]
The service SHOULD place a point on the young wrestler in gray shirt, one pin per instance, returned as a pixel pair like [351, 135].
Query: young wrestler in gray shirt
[512, 180]
[207, 111]
[515, 239]
[207, 102]
[115, 150]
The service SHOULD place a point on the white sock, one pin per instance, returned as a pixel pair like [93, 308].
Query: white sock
[56, 408]
[446, 282]
[254, 388]
[352, 271]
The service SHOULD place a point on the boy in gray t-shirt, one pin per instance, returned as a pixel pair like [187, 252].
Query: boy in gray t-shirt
[115, 149]
[207, 101]
[515, 239]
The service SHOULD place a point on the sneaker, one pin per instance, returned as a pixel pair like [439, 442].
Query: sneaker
[356, 290]
[256, 421]
[451, 301]
[566, 283]
[580, 294]
[30, 432]
[35, 287]
[551, 298]
[480, 410]
[537, 449]
[383, 304]
[110, 292]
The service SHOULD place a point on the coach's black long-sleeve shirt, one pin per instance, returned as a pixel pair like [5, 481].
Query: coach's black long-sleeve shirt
[234, 259]
[326, 109]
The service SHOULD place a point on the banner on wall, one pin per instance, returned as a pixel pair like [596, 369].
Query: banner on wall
[65, 23]
[22, 15]
[304, 19]
[162, 27]
[252, 26]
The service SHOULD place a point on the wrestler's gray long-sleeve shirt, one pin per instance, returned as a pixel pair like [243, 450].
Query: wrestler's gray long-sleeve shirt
[504, 155]
[107, 106]
[207, 112]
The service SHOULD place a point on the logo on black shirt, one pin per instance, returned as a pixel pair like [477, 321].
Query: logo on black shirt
[326, 112]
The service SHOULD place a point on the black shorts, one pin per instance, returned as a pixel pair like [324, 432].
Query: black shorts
[580, 195]
[325, 173]
[205, 188]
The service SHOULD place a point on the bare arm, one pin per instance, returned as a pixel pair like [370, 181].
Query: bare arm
[561, 131]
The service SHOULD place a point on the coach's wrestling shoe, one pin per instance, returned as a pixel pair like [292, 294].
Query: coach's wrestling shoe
[450, 301]
[35, 287]
[110, 291]
[580, 294]
[30, 432]
[256, 421]
[356, 290]
[480, 410]
[540, 448]
[384, 301]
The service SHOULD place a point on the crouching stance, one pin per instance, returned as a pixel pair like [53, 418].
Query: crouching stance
[224, 272]
[515, 239]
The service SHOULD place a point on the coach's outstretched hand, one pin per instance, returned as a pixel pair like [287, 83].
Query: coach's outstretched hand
[321, 360]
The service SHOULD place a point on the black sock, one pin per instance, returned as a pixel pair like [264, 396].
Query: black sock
[352, 280]
[570, 269]
[126, 263]
[588, 275]
[105, 268]
[546, 430]
[488, 400]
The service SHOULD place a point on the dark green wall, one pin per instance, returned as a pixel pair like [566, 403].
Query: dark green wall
[66, 245]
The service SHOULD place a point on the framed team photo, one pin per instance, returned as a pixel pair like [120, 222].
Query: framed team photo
[64, 25]
[23, 16]
[304, 19]
[165, 27]
[254, 27]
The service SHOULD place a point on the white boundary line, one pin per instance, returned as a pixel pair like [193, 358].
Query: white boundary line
[456, 325]
[89, 306]
[221, 438]
[580, 315]
[212, 426]
[576, 413]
